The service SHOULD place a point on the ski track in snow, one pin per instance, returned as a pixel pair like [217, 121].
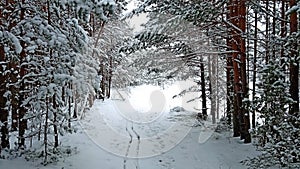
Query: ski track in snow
[130, 145]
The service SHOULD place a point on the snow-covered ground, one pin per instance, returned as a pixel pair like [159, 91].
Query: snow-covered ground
[139, 129]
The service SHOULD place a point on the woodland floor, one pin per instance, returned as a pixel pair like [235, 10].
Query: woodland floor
[126, 133]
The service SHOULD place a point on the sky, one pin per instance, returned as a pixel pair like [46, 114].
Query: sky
[136, 21]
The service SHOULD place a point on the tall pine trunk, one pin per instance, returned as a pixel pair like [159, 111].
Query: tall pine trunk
[229, 73]
[203, 94]
[294, 63]
[243, 73]
[267, 39]
[22, 109]
[241, 118]
[46, 131]
[254, 66]
[3, 110]
[55, 122]
[233, 18]
[13, 76]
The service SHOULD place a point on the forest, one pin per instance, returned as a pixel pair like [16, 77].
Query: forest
[58, 56]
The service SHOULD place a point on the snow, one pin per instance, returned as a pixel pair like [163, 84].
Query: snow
[143, 128]
[292, 9]
[15, 41]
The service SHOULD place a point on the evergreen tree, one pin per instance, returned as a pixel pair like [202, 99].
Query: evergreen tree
[277, 132]
[43, 62]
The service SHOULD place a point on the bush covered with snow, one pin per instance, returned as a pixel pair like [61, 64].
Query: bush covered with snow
[279, 130]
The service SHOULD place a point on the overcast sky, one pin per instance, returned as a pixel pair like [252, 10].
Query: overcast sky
[136, 21]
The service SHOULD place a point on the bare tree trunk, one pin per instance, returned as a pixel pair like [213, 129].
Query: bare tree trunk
[233, 9]
[46, 131]
[109, 77]
[102, 85]
[39, 132]
[203, 94]
[274, 30]
[213, 89]
[55, 122]
[294, 64]
[70, 101]
[282, 29]
[75, 102]
[217, 88]
[212, 105]
[22, 109]
[229, 73]
[3, 110]
[254, 67]
[14, 96]
[239, 60]
[267, 32]
[245, 90]
[229, 84]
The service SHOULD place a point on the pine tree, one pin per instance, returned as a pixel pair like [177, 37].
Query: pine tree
[278, 132]
[43, 49]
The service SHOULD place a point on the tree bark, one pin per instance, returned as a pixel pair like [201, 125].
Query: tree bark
[14, 96]
[254, 67]
[203, 94]
[243, 72]
[55, 122]
[239, 60]
[213, 88]
[22, 109]
[267, 33]
[3, 99]
[234, 40]
[46, 131]
[229, 73]
[229, 84]
[274, 30]
[282, 29]
[294, 63]
[109, 77]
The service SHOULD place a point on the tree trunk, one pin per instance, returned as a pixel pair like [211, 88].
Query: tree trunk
[109, 77]
[241, 122]
[274, 30]
[3, 110]
[267, 32]
[233, 9]
[229, 84]
[102, 85]
[55, 123]
[217, 88]
[102, 92]
[203, 94]
[229, 73]
[243, 72]
[213, 88]
[74, 101]
[46, 131]
[254, 67]
[70, 101]
[22, 109]
[14, 96]
[294, 63]
[282, 29]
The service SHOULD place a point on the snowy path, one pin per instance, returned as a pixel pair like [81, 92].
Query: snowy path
[113, 135]
[124, 138]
